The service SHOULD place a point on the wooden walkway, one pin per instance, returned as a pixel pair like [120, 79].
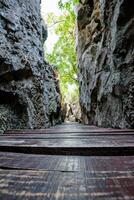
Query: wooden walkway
[67, 162]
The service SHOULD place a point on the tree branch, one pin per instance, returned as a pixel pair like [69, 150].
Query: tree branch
[57, 22]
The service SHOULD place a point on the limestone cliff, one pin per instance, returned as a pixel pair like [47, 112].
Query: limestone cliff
[105, 48]
[29, 91]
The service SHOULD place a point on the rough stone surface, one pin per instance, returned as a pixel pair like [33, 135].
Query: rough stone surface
[29, 91]
[105, 48]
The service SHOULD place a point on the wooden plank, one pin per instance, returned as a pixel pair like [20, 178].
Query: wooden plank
[91, 145]
[66, 163]
[66, 177]
[23, 184]
[67, 131]
[64, 135]
[91, 141]
[71, 128]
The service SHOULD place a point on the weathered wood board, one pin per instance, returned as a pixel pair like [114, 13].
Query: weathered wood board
[73, 128]
[66, 163]
[84, 145]
[53, 185]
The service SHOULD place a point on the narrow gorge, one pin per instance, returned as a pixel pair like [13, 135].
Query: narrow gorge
[56, 144]
[29, 89]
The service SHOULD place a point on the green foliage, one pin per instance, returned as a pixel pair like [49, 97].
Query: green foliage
[67, 4]
[63, 55]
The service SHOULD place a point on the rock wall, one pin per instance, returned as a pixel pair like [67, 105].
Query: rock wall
[29, 91]
[105, 48]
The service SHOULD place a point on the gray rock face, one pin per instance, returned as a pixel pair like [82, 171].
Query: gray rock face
[105, 48]
[29, 91]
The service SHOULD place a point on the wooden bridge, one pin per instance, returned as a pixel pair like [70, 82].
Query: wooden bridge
[67, 162]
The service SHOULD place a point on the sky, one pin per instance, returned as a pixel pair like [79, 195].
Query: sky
[48, 6]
